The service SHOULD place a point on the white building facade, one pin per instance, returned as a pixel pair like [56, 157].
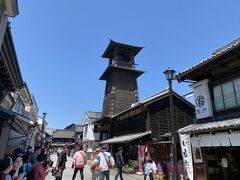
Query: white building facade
[91, 134]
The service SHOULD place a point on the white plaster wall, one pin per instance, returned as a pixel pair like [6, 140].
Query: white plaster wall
[90, 130]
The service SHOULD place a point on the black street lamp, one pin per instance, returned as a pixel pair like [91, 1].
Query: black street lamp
[170, 76]
[42, 128]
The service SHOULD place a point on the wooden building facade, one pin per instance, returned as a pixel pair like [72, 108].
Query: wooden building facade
[215, 135]
[121, 89]
[10, 81]
[147, 123]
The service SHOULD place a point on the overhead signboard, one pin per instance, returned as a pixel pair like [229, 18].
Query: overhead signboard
[203, 105]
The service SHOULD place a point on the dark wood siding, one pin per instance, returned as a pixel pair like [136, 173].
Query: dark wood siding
[160, 122]
[133, 124]
[120, 92]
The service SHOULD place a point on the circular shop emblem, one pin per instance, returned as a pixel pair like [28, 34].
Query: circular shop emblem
[200, 101]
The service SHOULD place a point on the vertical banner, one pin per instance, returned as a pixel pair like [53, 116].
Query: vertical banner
[141, 152]
[187, 155]
[202, 99]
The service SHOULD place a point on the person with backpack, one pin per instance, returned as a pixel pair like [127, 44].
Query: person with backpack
[6, 166]
[119, 163]
[79, 161]
[148, 170]
[106, 162]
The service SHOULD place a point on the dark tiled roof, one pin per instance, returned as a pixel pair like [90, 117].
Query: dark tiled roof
[113, 45]
[218, 52]
[211, 126]
[64, 134]
[94, 115]
[152, 99]
[126, 138]
[79, 128]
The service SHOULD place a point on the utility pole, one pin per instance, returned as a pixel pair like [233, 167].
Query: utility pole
[170, 76]
[42, 128]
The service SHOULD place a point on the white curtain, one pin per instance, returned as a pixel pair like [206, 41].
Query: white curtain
[218, 100]
[229, 95]
[234, 139]
[237, 89]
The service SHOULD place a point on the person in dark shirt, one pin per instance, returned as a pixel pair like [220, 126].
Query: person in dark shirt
[119, 163]
[60, 165]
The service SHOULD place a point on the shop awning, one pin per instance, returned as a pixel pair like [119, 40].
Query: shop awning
[211, 126]
[126, 138]
[58, 145]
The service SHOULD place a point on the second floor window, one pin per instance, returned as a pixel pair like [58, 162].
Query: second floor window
[227, 95]
[86, 129]
[95, 129]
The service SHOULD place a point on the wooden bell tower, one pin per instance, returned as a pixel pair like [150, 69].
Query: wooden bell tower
[121, 89]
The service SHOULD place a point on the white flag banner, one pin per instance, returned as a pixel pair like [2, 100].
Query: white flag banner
[187, 155]
[203, 104]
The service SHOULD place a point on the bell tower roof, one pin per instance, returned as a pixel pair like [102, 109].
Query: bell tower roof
[124, 49]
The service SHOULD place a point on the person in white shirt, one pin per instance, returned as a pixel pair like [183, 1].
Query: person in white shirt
[106, 161]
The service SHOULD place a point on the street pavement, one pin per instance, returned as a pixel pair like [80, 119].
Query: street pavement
[68, 172]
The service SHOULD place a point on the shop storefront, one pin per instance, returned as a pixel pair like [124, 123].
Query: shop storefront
[215, 149]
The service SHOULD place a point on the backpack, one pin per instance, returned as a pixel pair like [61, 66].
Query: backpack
[147, 169]
[108, 161]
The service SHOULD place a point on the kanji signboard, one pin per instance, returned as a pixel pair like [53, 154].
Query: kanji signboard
[187, 155]
[202, 99]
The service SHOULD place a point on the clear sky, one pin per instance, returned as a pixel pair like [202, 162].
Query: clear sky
[59, 44]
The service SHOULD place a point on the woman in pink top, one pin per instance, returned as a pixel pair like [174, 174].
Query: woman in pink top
[39, 172]
[79, 160]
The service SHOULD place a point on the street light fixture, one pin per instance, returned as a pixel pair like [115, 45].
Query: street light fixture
[42, 128]
[170, 76]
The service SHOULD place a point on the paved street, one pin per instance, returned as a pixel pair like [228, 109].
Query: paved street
[67, 175]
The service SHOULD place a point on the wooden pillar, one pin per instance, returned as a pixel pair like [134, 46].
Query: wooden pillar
[205, 163]
[148, 120]
[4, 139]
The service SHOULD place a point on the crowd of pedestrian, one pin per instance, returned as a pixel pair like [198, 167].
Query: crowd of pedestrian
[36, 165]
[26, 165]
[102, 163]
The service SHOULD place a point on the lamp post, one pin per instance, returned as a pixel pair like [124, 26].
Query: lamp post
[170, 76]
[42, 128]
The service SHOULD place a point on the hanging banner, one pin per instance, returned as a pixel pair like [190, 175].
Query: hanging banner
[187, 155]
[141, 154]
[203, 105]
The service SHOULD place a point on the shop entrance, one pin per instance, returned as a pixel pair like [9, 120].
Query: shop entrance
[223, 161]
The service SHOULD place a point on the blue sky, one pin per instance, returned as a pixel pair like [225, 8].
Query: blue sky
[59, 45]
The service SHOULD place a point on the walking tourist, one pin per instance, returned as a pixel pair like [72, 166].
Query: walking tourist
[148, 170]
[105, 161]
[119, 163]
[79, 161]
[32, 159]
[95, 169]
[33, 156]
[61, 162]
[6, 166]
[39, 171]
